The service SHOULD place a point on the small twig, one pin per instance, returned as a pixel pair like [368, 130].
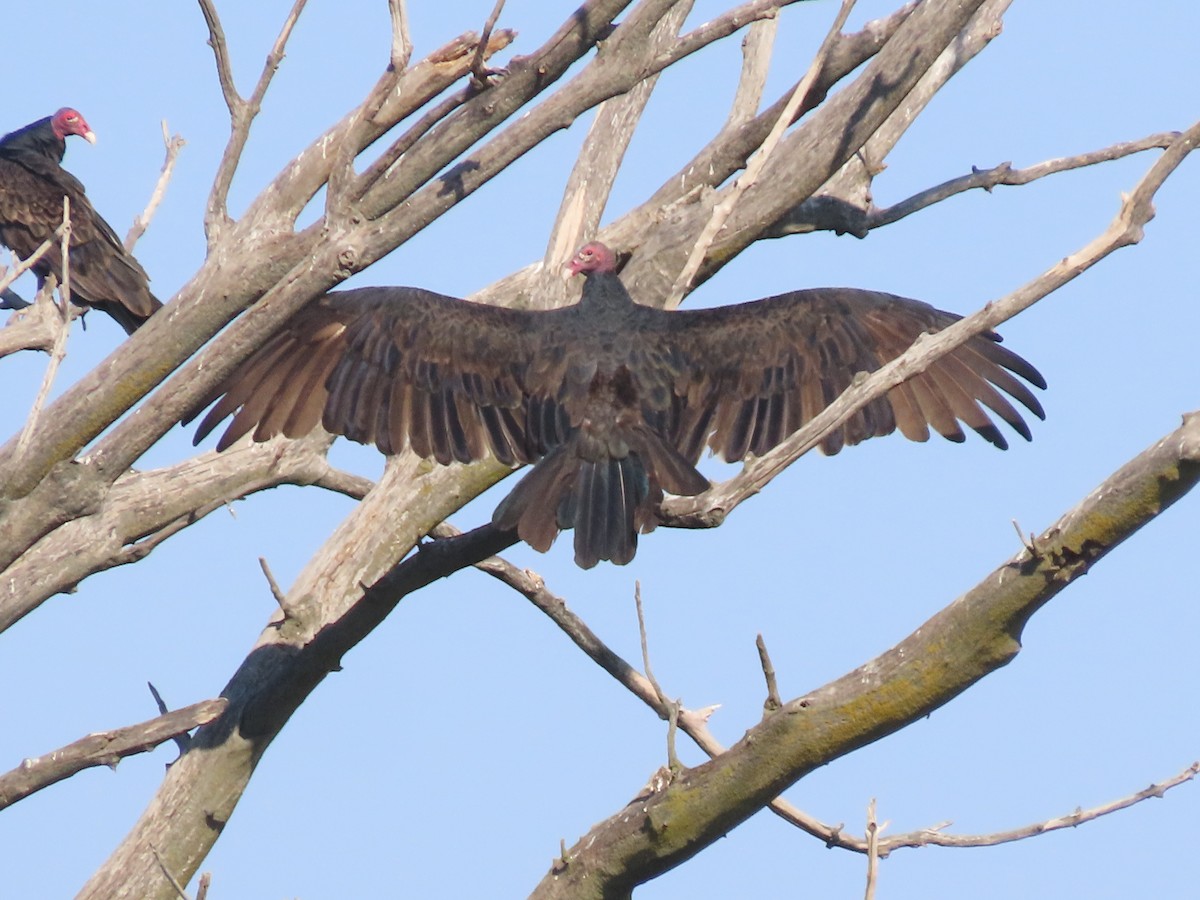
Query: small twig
[64, 290]
[158, 700]
[167, 872]
[202, 886]
[872, 850]
[220, 49]
[24, 265]
[672, 706]
[755, 164]
[279, 595]
[401, 42]
[772, 702]
[1028, 541]
[479, 72]
[641, 617]
[173, 145]
[58, 350]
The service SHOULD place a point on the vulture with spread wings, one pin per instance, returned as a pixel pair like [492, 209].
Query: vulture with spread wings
[104, 274]
[613, 402]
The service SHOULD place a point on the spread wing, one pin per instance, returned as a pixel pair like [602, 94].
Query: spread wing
[404, 367]
[103, 274]
[747, 376]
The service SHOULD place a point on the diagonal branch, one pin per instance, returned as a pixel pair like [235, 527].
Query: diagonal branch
[104, 748]
[721, 212]
[145, 508]
[934, 837]
[595, 171]
[173, 144]
[58, 349]
[975, 635]
[1136, 210]
[820, 214]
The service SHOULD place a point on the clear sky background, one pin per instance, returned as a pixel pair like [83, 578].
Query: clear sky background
[467, 736]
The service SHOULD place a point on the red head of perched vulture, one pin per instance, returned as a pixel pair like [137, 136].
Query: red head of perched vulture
[32, 187]
[613, 402]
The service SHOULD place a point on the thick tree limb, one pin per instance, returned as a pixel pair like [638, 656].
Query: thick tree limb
[104, 748]
[924, 671]
[144, 508]
[34, 327]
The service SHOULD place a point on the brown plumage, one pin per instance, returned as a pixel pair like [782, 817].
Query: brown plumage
[32, 186]
[613, 401]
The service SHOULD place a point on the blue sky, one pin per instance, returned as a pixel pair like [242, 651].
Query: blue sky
[467, 735]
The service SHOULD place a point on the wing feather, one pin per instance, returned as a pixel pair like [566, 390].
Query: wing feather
[752, 374]
[400, 367]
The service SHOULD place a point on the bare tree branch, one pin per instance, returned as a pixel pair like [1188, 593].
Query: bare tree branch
[919, 674]
[58, 349]
[144, 508]
[241, 112]
[935, 837]
[757, 48]
[479, 73]
[105, 748]
[34, 328]
[591, 180]
[1126, 228]
[401, 42]
[721, 212]
[173, 144]
[873, 829]
[818, 213]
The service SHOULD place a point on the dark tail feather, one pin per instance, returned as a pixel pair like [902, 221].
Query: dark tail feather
[532, 506]
[607, 501]
[607, 494]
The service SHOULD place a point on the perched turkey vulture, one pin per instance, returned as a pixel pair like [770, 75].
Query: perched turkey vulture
[613, 401]
[32, 186]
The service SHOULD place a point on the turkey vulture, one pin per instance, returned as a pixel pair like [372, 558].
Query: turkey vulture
[613, 401]
[32, 186]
